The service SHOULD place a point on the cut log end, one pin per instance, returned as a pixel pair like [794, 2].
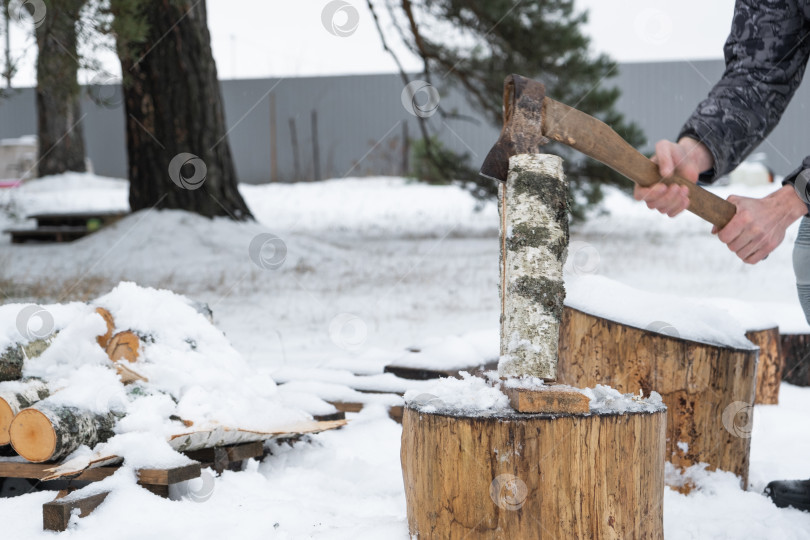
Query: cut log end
[124, 346]
[6, 417]
[33, 436]
[104, 339]
[552, 399]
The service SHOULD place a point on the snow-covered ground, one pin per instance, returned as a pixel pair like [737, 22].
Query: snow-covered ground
[345, 275]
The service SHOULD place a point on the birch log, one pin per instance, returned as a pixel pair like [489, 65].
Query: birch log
[533, 206]
[16, 396]
[47, 432]
[13, 358]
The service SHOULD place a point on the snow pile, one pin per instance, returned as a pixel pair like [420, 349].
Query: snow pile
[470, 395]
[607, 400]
[717, 508]
[195, 379]
[668, 314]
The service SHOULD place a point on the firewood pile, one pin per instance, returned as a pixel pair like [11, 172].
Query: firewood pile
[82, 380]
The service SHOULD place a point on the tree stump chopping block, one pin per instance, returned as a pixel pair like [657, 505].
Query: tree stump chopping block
[539, 476]
[708, 389]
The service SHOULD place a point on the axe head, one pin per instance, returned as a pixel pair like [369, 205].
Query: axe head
[522, 131]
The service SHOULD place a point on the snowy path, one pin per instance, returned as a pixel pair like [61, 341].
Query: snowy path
[413, 264]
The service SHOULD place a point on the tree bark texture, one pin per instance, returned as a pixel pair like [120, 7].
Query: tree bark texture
[708, 390]
[45, 432]
[796, 359]
[59, 126]
[13, 358]
[533, 205]
[769, 368]
[174, 108]
[534, 476]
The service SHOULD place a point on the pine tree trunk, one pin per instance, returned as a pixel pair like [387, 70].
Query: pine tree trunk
[61, 138]
[174, 108]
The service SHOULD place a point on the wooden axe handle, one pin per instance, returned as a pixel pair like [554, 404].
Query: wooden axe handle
[597, 140]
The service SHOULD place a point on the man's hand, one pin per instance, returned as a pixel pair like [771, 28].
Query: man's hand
[759, 225]
[687, 158]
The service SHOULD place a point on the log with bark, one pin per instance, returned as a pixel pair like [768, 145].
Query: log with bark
[47, 432]
[16, 396]
[708, 389]
[13, 358]
[533, 206]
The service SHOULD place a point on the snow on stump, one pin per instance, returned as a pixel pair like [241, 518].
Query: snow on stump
[493, 472]
[694, 355]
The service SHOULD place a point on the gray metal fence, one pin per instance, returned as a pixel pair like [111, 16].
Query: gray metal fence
[307, 127]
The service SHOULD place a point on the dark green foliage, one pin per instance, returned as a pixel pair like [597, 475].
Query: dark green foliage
[433, 163]
[475, 44]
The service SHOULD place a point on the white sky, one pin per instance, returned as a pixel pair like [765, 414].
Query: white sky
[261, 38]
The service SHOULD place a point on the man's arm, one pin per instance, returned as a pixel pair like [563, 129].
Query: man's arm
[766, 54]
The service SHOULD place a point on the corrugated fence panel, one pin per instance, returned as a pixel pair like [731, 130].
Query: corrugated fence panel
[362, 122]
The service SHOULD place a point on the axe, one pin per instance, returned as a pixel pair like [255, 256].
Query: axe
[531, 119]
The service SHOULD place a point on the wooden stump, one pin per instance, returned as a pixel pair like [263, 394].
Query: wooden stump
[708, 389]
[769, 368]
[514, 475]
[796, 359]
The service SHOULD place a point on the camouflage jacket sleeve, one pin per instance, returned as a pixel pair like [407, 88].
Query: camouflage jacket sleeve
[766, 54]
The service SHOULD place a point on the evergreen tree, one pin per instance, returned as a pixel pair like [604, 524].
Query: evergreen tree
[475, 44]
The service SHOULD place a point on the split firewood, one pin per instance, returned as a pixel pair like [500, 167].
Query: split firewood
[46, 432]
[195, 440]
[104, 339]
[124, 346]
[16, 396]
[128, 375]
[222, 436]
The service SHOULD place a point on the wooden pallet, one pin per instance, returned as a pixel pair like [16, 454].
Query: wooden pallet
[56, 514]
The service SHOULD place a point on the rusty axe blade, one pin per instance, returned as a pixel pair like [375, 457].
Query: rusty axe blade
[532, 119]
